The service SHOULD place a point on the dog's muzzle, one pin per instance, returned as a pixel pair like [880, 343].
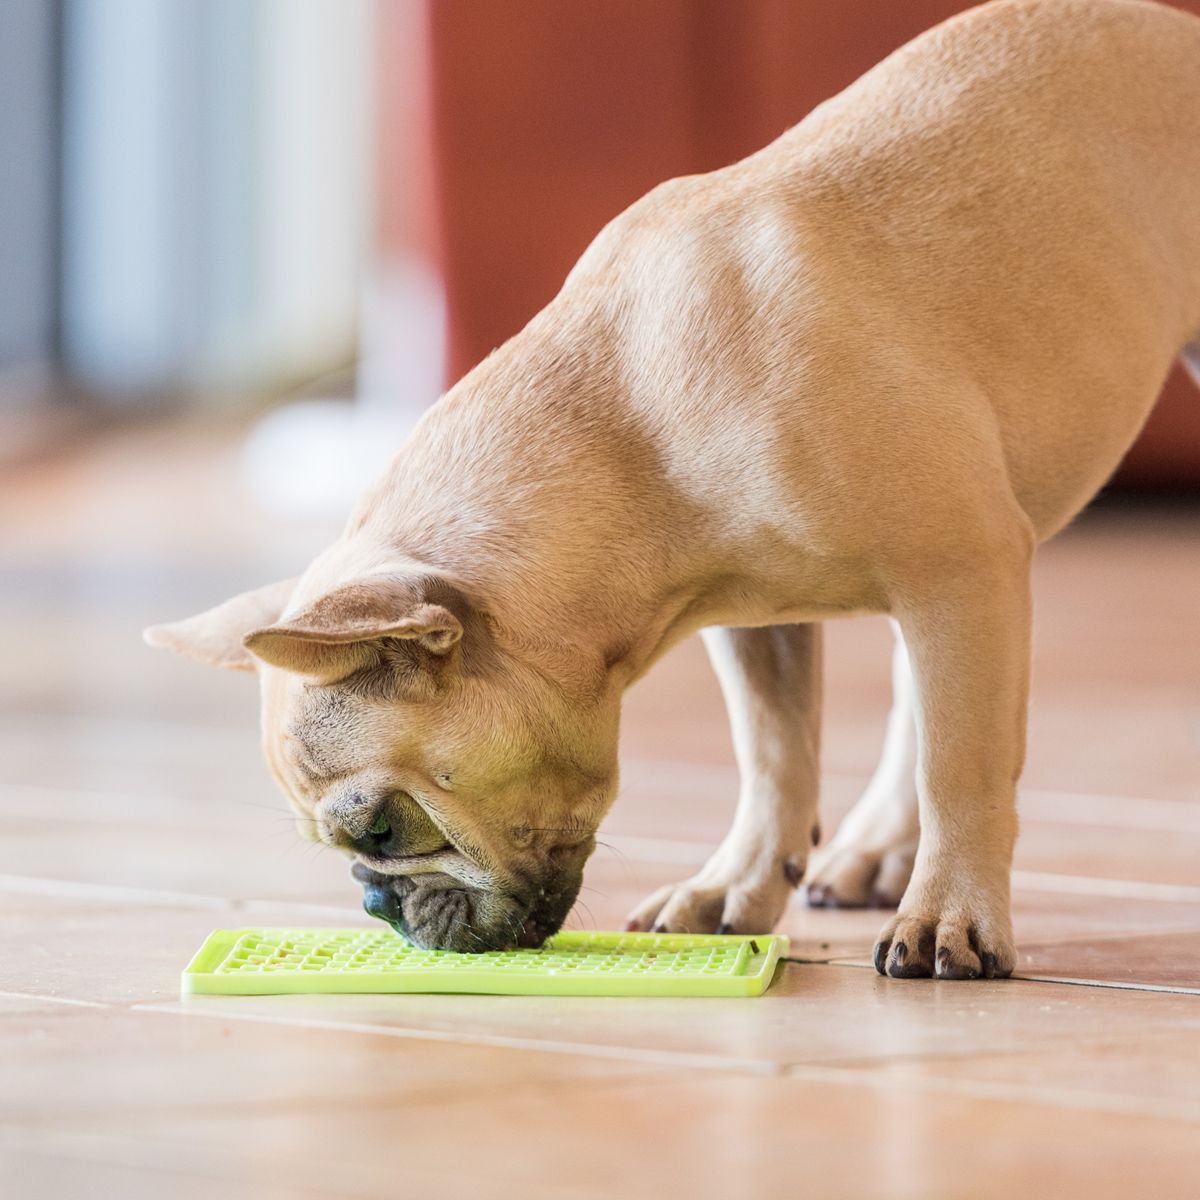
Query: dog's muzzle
[437, 912]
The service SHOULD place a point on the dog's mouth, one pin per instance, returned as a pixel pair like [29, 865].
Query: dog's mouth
[437, 912]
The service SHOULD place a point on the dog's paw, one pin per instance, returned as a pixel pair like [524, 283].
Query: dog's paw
[848, 875]
[953, 944]
[719, 901]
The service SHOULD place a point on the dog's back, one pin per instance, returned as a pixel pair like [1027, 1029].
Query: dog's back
[1011, 200]
[1027, 179]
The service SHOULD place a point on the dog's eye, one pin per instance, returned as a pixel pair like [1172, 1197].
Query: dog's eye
[382, 825]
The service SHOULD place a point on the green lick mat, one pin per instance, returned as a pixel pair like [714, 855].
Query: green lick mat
[236, 962]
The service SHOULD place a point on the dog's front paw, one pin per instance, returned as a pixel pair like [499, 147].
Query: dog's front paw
[722, 899]
[971, 940]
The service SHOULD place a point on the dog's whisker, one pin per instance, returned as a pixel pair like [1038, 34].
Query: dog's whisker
[621, 857]
[580, 904]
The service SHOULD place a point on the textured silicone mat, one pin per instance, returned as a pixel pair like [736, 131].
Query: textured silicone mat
[271, 961]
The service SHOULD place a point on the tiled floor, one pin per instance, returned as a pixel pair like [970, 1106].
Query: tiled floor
[136, 816]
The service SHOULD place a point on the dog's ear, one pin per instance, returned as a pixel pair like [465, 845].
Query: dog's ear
[333, 636]
[217, 637]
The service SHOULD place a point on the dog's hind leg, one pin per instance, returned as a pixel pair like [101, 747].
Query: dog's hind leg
[771, 681]
[870, 859]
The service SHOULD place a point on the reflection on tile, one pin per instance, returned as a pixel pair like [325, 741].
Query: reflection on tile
[712, 1135]
[101, 1069]
[1146, 1070]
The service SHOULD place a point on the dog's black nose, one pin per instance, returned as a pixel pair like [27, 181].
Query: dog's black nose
[381, 902]
[379, 896]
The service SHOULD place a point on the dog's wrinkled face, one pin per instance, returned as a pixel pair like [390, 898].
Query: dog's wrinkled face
[466, 785]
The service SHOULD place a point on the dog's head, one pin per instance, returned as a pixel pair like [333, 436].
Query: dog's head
[465, 780]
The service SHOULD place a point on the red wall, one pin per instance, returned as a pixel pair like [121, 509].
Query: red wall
[512, 130]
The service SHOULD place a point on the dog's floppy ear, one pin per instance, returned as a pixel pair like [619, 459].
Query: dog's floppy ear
[332, 636]
[217, 637]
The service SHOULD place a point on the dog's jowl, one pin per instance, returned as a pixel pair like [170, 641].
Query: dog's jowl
[866, 369]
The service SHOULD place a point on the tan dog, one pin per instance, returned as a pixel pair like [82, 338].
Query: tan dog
[865, 370]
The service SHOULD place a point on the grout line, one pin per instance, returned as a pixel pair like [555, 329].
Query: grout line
[1075, 981]
[33, 885]
[155, 1150]
[665, 1058]
[687, 853]
[1054, 807]
[1121, 812]
[1122, 985]
[679, 853]
[870, 1074]
[42, 999]
[164, 1158]
[1112, 933]
[875, 1075]
[1090, 885]
[46, 791]
[1068, 808]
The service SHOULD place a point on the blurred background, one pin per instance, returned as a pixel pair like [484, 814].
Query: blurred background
[212, 207]
[245, 243]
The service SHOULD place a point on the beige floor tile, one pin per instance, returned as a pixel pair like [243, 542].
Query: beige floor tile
[1145, 1070]
[74, 1168]
[117, 952]
[1149, 959]
[719, 1136]
[95, 1069]
[231, 851]
[137, 816]
[1151, 855]
[126, 1092]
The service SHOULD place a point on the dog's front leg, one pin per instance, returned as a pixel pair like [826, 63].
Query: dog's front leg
[968, 639]
[771, 680]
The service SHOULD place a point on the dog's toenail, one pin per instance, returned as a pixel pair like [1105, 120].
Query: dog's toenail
[881, 953]
[899, 952]
[989, 965]
[724, 928]
[816, 834]
[792, 872]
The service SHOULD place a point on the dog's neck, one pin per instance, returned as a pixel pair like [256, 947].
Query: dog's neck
[532, 486]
